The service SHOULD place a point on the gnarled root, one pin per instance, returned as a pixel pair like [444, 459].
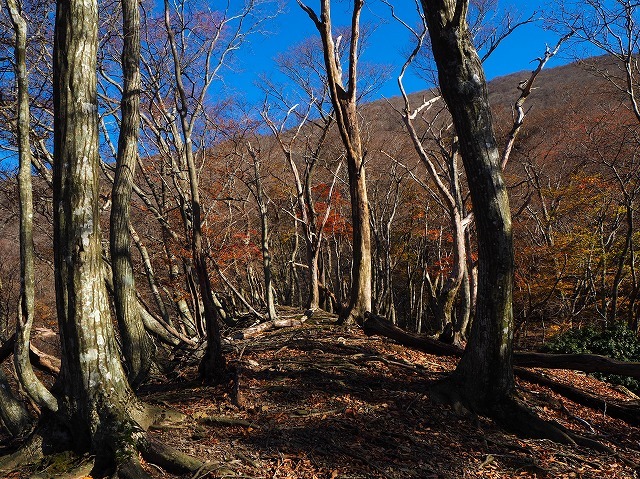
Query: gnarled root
[47, 439]
[29, 453]
[131, 469]
[511, 414]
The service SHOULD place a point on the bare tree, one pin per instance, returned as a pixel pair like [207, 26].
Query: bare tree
[136, 344]
[613, 27]
[98, 411]
[483, 380]
[257, 190]
[344, 99]
[36, 390]
[303, 178]
[93, 379]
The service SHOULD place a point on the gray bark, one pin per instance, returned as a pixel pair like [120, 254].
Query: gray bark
[13, 414]
[258, 193]
[32, 385]
[344, 99]
[213, 366]
[97, 403]
[136, 344]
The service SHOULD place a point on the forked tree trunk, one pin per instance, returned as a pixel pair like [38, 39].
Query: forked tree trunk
[484, 375]
[344, 99]
[32, 385]
[136, 344]
[97, 404]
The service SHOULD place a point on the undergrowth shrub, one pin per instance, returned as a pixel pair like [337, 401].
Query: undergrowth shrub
[616, 341]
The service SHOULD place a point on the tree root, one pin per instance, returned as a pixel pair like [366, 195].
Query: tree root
[628, 411]
[31, 452]
[511, 414]
[20, 458]
[132, 469]
[66, 466]
[119, 460]
[168, 458]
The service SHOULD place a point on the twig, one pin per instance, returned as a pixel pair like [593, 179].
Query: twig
[578, 419]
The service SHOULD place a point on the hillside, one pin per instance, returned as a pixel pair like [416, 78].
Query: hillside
[568, 109]
[323, 401]
[319, 401]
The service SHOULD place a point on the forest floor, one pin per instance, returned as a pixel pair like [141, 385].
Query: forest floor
[321, 401]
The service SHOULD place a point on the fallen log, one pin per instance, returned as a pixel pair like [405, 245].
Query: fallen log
[44, 362]
[268, 326]
[377, 325]
[588, 363]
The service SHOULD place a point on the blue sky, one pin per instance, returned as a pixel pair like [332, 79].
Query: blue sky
[387, 43]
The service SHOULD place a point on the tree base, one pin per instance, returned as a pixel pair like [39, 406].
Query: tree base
[351, 316]
[510, 413]
[51, 445]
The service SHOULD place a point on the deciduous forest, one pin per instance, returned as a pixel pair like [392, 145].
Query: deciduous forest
[324, 284]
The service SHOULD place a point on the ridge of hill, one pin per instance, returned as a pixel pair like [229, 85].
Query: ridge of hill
[555, 89]
[321, 401]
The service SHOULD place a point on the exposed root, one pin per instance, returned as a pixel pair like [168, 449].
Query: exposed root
[31, 452]
[131, 469]
[50, 446]
[159, 417]
[511, 414]
[168, 458]
[349, 317]
[66, 466]
[514, 416]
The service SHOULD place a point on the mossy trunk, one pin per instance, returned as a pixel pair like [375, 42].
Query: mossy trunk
[13, 415]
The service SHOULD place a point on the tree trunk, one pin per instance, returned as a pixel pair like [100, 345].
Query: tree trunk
[360, 298]
[136, 344]
[96, 401]
[484, 375]
[32, 385]
[344, 104]
[212, 367]
[588, 363]
[314, 280]
[264, 228]
[628, 411]
[13, 414]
